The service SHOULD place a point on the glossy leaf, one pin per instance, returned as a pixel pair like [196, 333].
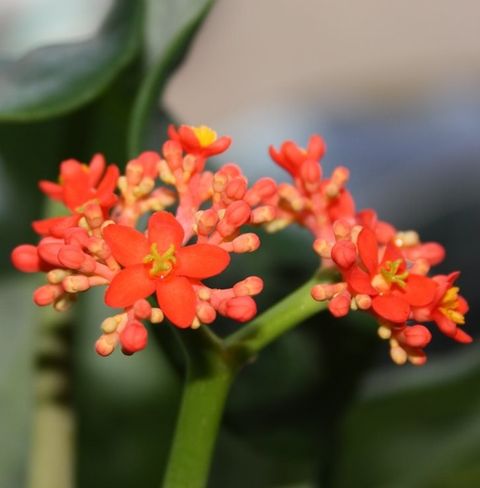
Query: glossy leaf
[53, 80]
[172, 27]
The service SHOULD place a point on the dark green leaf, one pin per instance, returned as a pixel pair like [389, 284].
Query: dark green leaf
[416, 428]
[56, 79]
[173, 24]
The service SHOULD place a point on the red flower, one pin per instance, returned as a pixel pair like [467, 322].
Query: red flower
[393, 288]
[159, 263]
[201, 141]
[79, 184]
[449, 308]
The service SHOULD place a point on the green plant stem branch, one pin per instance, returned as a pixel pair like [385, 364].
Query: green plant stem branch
[212, 364]
[283, 316]
[52, 444]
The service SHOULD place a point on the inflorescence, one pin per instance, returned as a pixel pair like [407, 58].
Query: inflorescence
[159, 272]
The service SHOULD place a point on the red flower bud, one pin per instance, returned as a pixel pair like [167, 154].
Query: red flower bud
[133, 337]
[241, 308]
[25, 258]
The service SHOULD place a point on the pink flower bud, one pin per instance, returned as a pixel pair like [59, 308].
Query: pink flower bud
[236, 188]
[206, 313]
[207, 221]
[310, 173]
[342, 229]
[48, 251]
[133, 337]
[415, 336]
[344, 254]
[263, 214]
[246, 243]
[339, 306]
[25, 258]
[252, 285]
[46, 294]
[262, 191]
[106, 344]
[241, 308]
[172, 152]
[237, 214]
[142, 309]
[71, 257]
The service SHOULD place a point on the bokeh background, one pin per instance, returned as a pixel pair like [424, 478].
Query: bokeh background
[394, 87]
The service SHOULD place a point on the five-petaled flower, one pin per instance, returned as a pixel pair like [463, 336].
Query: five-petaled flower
[394, 290]
[158, 262]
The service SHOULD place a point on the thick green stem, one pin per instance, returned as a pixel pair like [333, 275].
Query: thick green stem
[283, 316]
[209, 376]
[211, 368]
[52, 453]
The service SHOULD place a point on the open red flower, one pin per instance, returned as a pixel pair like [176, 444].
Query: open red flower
[393, 288]
[201, 141]
[159, 263]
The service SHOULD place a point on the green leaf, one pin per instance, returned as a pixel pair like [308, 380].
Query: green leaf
[172, 27]
[56, 79]
[416, 428]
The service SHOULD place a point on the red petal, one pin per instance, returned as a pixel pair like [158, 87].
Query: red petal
[462, 305]
[201, 261]
[53, 190]
[43, 226]
[129, 246]
[360, 281]
[96, 169]
[316, 147]
[420, 290]
[392, 308]
[462, 336]
[392, 253]
[177, 300]
[108, 183]
[368, 250]
[447, 326]
[128, 286]
[164, 229]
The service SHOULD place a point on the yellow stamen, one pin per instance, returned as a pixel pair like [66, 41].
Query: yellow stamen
[450, 304]
[391, 275]
[162, 264]
[205, 135]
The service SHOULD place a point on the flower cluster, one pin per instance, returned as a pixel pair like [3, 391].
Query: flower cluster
[158, 272]
[382, 271]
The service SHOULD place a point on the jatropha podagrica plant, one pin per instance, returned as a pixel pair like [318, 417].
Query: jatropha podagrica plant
[380, 270]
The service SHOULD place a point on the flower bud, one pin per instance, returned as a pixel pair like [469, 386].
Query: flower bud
[344, 254]
[265, 213]
[133, 337]
[75, 283]
[25, 258]
[236, 188]
[246, 243]
[415, 336]
[252, 285]
[142, 309]
[339, 305]
[46, 294]
[241, 308]
[206, 313]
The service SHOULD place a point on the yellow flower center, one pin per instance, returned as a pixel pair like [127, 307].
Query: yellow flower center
[450, 304]
[390, 273]
[204, 135]
[162, 264]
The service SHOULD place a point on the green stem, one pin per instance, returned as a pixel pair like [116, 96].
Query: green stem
[283, 316]
[212, 364]
[52, 448]
[209, 376]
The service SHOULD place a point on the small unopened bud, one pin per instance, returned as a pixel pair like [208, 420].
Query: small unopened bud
[206, 313]
[322, 292]
[398, 354]
[172, 152]
[106, 344]
[417, 357]
[156, 316]
[236, 188]
[134, 173]
[252, 285]
[246, 243]
[322, 248]
[384, 332]
[110, 324]
[94, 215]
[311, 173]
[416, 336]
[46, 294]
[142, 309]
[206, 221]
[342, 229]
[48, 251]
[75, 283]
[25, 258]
[339, 305]
[241, 309]
[262, 191]
[71, 257]
[344, 253]
[133, 337]
[263, 214]
[364, 302]
[236, 215]
[56, 276]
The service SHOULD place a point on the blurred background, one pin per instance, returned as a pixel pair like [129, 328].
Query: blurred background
[394, 88]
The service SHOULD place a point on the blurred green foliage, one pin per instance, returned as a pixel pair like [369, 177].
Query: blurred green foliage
[312, 410]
